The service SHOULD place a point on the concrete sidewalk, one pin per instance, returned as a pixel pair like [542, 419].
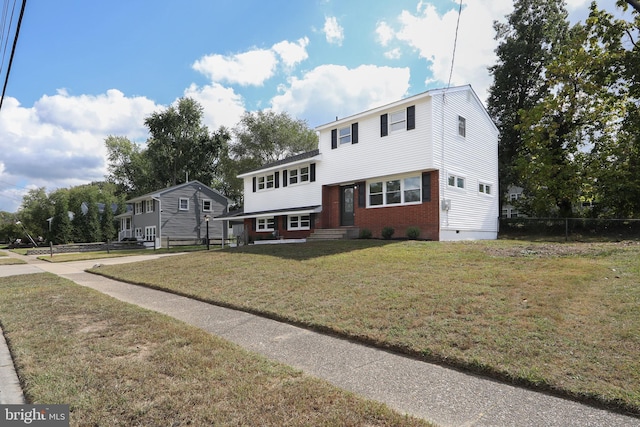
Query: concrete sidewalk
[444, 396]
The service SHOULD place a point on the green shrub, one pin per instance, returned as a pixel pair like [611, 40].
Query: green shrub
[365, 233]
[413, 233]
[387, 232]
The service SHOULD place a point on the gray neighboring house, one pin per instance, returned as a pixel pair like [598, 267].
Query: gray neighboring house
[178, 212]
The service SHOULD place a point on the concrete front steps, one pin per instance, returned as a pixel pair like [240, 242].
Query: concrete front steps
[334, 233]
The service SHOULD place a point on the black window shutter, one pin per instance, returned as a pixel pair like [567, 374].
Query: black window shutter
[312, 172]
[411, 117]
[426, 186]
[362, 194]
[354, 133]
[254, 184]
[276, 219]
[334, 139]
[383, 125]
[253, 224]
[284, 178]
[276, 179]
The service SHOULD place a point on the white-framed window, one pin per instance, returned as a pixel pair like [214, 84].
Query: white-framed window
[298, 175]
[396, 191]
[138, 233]
[299, 222]
[150, 233]
[398, 120]
[456, 181]
[126, 223]
[266, 182]
[148, 205]
[265, 224]
[184, 204]
[344, 135]
[514, 196]
[485, 188]
[207, 205]
[462, 126]
[137, 208]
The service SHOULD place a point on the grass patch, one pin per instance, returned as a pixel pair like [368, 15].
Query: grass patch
[119, 365]
[562, 317]
[83, 256]
[5, 260]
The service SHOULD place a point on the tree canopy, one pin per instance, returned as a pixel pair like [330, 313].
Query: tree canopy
[576, 139]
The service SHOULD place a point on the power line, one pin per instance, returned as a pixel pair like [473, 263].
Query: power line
[455, 43]
[13, 51]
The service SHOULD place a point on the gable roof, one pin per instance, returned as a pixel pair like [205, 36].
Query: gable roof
[157, 194]
[414, 98]
[288, 161]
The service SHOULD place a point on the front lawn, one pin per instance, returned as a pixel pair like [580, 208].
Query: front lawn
[116, 364]
[550, 315]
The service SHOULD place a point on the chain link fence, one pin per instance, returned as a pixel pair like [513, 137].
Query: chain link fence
[570, 229]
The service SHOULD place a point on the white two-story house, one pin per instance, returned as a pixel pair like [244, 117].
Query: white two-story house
[428, 161]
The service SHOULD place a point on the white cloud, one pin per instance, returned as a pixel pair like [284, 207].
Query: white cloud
[334, 90]
[333, 31]
[385, 33]
[250, 68]
[292, 53]
[433, 35]
[221, 105]
[393, 53]
[59, 142]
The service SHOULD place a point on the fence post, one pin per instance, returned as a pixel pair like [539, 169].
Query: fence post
[51, 248]
[566, 229]
[108, 245]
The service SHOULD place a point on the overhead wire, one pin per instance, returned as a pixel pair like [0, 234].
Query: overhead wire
[13, 51]
[455, 44]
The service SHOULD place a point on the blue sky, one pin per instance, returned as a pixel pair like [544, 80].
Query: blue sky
[84, 70]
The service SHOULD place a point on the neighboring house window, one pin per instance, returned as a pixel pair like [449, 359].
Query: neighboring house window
[138, 208]
[344, 135]
[462, 126]
[265, 224]
[299, 222]
[207, 206]
[184, 204]
[397, 191]
[138, 233]
[150, 233]
[456, 181]
[397, 121]
[149, 205]
[514, 196]
[484, 188]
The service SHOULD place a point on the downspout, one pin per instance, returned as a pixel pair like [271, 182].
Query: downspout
[159, 231]
[443, 181]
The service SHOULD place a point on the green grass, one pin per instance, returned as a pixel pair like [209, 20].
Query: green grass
[5, 260]
[116, 364]
[83, 256]
[555, 316]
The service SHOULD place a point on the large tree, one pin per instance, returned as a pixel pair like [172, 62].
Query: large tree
[128, 167]
[528, 41]
[181, 146]
[34, 212]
